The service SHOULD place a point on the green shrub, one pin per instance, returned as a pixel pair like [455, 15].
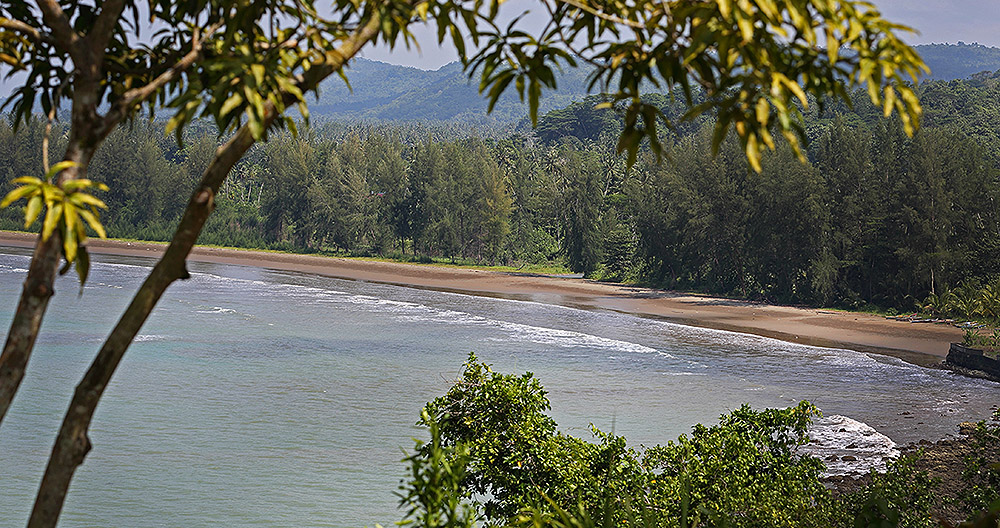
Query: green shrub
[744, 469]
[901, 497]
[981, 475]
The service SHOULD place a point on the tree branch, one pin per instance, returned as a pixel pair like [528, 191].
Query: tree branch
[24, 29]
[88, 133]
[63, 34]
[139, 95]
[27, 320]
[72, 444]
[100, 33]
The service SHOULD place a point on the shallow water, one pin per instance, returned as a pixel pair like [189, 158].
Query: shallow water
[265, 398]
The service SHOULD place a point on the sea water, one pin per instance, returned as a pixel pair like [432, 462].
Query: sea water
[256, 397]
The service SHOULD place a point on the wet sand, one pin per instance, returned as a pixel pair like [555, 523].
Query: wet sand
[921, 343]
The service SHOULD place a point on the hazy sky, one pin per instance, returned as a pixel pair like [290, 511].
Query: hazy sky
[937, 21]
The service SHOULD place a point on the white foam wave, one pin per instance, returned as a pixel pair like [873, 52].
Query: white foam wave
[570, 339]
[148, 337]
[847, 446]
[526, 333]
[217, 310]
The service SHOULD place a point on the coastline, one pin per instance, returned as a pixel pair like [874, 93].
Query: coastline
[922, 344]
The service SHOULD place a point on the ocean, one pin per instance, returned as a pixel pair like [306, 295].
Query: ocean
[257, 397]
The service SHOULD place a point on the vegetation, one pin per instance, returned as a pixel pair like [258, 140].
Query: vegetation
[959, 60]
[982, 467]
[496, 457]
[243, 65]
[385, 92]
[874, 219]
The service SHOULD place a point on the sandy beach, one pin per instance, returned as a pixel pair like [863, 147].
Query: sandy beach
[921, 343]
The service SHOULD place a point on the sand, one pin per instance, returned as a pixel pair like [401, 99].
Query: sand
[922, 343]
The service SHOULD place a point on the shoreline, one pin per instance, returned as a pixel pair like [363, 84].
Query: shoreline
[919, 343]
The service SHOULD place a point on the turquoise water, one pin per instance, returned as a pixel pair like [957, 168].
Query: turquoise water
[265, 398]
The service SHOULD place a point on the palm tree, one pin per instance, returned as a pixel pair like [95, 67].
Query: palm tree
[990, 300]
[938, 303]
[967, 303]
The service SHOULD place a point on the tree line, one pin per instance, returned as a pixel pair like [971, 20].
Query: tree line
[872, 217]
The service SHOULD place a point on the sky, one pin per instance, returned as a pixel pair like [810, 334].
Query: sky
[938, 21]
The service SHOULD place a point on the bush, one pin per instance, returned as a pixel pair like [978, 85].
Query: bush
[496, 457]
[981, 475]
[744, 469]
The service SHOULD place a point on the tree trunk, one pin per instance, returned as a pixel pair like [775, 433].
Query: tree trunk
[38, 289]
[87, 131]
[27, 319]
[72, 444]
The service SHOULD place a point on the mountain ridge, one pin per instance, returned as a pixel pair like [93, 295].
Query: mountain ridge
[389, 92]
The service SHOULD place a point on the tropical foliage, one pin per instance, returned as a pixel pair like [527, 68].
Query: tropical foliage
[874, 217]
[496, 457]
[387, 92]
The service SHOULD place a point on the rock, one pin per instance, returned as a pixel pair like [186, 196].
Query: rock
[852, 446]
[849, 458]
[966, 428]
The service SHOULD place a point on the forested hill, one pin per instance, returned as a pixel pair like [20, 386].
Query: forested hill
[386, 92]
[959, 61]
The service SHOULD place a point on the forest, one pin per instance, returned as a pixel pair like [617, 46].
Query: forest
[872, 218]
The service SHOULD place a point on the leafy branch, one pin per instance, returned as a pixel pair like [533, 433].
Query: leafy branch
[68, 208]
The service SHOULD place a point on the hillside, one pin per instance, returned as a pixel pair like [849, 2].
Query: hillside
[400, 93]
[386, 92]
[959, 61]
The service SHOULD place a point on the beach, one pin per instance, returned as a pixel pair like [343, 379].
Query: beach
[921, 343]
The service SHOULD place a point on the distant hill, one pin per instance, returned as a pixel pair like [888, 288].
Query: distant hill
[959, 61]
[400, 93]
[386, 92]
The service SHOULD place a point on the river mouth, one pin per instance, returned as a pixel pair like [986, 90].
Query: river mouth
[248, 380]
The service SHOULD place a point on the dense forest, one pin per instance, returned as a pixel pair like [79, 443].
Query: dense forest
[873, 217]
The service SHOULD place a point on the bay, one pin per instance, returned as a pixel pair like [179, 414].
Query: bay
[258, 397]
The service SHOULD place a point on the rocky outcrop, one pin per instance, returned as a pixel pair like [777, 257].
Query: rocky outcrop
[973, 359]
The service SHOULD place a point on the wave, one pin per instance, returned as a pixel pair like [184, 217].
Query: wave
[216, 310]
[142, 338]
[847, 446]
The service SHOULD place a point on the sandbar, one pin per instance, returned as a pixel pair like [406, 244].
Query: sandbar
[921, 343]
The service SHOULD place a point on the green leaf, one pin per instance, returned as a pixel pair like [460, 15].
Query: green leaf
[70, 218]
[29, 180]
[93, 222]
[82, 267]
[17, 194]
[69, 244]
[32, 210]
[81, 199]
[233, 102]
[51, 220]
[59, 167]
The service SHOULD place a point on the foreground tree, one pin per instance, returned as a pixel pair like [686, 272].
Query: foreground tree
[243, 64]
